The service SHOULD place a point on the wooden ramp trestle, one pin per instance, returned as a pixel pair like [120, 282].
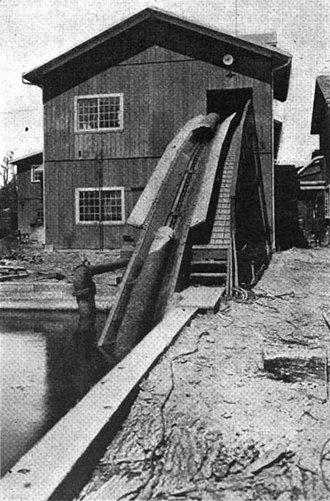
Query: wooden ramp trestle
[192, 187]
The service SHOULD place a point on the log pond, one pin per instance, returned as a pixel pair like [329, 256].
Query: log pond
[43, 375]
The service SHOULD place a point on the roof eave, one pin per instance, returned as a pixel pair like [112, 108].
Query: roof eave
[35, 75]
[24, 158]
[282, 74]
[38, 75]
[317, 109]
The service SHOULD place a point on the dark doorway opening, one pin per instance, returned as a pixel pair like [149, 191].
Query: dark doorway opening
[227, 101]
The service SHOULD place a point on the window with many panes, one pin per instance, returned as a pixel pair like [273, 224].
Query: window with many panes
[104, 205]
[99, 113]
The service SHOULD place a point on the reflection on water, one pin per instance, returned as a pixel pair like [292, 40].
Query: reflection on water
[43, 374]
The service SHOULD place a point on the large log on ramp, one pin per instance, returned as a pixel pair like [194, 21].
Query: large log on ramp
[152, 211]
[137, 320]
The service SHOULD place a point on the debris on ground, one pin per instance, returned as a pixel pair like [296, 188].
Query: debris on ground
[11, 272]
[35, 263]
[210, 423]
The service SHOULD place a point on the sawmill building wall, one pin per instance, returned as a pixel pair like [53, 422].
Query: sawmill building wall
[157, 89]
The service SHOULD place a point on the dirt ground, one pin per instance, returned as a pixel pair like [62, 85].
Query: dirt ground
[210, 424]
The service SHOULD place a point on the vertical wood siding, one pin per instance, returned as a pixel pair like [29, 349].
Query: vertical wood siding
[29, 199]
[62, 180]
[162, 90]
[325, 141]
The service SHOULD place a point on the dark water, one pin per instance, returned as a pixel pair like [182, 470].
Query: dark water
[43, 375]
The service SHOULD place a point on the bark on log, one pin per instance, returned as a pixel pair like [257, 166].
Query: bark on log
[295, 364]
[138, 317]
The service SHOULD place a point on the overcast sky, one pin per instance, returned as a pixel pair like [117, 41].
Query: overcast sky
[35, 31]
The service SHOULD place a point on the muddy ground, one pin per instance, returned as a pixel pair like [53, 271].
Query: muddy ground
[209, 423]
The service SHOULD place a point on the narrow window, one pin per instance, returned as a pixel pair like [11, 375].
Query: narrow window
[99, 113]
[327, 202]
[105, 205]
[36, 173]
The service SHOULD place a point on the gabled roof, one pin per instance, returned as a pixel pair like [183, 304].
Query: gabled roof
[321, 100]
[314, 163]
[154, 27]
[31, 158]
[262, 38]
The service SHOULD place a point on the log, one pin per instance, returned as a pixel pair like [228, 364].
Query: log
[143, 206]
[207, 183]
[295, 364]
[137, 320]
[111, 266]
[158, 213]
[269, 459]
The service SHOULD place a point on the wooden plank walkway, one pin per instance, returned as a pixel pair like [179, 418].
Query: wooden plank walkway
[59, 465]
[221, 231]
[47, 296]
[201, 297]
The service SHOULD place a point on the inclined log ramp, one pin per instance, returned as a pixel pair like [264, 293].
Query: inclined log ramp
[193, 185]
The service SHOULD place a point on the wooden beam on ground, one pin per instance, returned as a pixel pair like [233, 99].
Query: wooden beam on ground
[292, 364]
[59, 465]
[201, 297]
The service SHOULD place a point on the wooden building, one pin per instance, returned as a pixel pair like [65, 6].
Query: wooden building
[313, 195]
[30, 200]
[288, 232]
[113, 103]
[321, 127]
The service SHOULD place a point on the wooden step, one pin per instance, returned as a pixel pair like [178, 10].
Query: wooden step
[220, 234]
[206, 299]
[208, 278]
[221, 226]
[222, 262]
[206, 252]
[209, 266]
[220, 243]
